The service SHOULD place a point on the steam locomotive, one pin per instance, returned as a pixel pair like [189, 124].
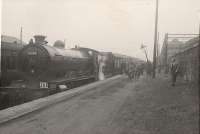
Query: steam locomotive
[44, 66]
[53, 67]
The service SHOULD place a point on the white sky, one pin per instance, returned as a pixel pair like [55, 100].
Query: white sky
[108, 25]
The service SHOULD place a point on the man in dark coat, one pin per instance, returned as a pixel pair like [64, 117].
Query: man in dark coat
[174, 71]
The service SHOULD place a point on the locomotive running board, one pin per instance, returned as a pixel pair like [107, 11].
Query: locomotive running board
[73, 79]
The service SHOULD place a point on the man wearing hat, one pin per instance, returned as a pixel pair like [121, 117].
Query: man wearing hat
[174, 71]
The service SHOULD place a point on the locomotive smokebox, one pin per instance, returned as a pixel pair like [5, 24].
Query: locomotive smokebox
[40, 39]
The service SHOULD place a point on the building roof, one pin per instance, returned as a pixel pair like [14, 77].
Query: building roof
[11, 43]
[174, 43]
[192, 43]
[11, 39]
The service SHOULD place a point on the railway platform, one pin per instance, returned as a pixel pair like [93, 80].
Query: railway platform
[23, 109]
[114, 106]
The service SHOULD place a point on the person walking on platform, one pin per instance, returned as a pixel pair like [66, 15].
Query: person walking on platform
[148, 68]
[130, 73]
[174, 68]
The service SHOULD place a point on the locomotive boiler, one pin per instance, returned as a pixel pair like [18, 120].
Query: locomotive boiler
[43, 66]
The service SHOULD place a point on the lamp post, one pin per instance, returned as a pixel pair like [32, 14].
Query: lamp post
[198, 15]
[145, 52]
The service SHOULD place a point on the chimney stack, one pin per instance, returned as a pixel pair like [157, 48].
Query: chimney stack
[40, 39]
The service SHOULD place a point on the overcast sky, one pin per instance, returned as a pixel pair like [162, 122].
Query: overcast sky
[109, 25]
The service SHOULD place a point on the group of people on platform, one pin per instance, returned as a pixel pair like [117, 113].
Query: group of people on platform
[135, 71]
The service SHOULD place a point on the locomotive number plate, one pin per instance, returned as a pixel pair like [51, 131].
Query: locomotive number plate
[43, 85]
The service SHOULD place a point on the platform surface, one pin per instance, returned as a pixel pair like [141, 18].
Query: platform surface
[120, 106]
[20, 110]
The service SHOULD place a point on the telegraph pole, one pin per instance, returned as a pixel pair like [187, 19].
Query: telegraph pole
[157, 51]
[199, 49]
[155, 41]
[157, 47]
[166, 53]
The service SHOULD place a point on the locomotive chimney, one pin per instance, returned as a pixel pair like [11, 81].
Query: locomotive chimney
[40, 39]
